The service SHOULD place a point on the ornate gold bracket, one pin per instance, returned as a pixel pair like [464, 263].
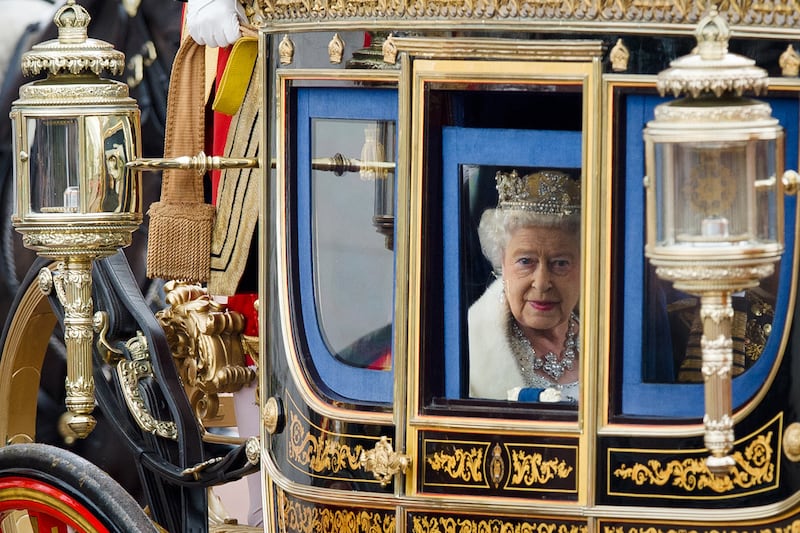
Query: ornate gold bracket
[206, 344]
[384, 462]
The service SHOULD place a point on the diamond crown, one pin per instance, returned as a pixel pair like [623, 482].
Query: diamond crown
[547, 192]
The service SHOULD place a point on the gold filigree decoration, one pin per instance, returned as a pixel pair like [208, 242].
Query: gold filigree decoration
[305, 517]
[531, 468]
[753, 467]
[448, 524]
[466, 465]
[321, 453]
[206, 345]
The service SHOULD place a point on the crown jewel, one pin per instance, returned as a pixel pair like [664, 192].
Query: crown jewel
[547, 192]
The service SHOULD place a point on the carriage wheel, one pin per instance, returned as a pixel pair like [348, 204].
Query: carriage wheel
[47, 489]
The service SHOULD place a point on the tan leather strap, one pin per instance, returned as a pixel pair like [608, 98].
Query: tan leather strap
[179, 238]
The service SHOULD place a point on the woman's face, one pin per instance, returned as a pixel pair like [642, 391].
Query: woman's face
[541, 269]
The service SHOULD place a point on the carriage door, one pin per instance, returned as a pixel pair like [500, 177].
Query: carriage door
[475, 124]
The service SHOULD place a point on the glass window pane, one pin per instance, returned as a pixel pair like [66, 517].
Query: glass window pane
[352, 243]
[345, 156]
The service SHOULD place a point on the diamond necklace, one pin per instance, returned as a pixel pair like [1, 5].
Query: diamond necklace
[551, 364]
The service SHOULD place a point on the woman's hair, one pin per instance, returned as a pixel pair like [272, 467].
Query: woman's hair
[497, 226]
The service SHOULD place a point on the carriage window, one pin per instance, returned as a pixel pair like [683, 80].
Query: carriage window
[504, 245]
[346, 152]
[659, 327]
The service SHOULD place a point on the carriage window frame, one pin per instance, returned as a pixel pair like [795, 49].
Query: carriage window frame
[580, 77]
[631, 396]
[305, 100]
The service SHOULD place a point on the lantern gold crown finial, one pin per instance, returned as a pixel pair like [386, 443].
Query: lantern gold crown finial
[712, 36]
[73, 52]
[710, 68]
[72, 21]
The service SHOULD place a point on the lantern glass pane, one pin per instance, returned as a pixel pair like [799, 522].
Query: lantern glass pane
[54, 164]
[713, 194]
[768, 173]
[110, 185]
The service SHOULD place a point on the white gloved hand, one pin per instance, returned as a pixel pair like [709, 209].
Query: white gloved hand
[214, 23]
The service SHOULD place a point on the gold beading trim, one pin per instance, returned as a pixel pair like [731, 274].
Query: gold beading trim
[492, 48]
[632, 16]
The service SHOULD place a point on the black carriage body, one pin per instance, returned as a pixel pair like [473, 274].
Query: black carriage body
[454, 103]
[380, 128]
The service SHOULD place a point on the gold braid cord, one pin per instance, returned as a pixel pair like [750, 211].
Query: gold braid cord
[237, 211]
[179, 242]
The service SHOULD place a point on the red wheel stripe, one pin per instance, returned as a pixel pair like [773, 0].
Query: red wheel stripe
[16, 482]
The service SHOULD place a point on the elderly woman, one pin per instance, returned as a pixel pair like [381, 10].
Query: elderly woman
[523, 331]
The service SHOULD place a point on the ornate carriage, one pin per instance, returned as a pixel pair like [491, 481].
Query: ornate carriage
[378, 128]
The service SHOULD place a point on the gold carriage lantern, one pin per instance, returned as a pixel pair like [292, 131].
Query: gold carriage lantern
[714, 164]
[76, 200]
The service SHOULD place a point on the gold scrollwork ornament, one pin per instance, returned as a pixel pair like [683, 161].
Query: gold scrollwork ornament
[205, 341]
[384, 462]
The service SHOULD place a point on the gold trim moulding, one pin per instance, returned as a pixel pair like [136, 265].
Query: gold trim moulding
[510, 426]
[490, 48]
